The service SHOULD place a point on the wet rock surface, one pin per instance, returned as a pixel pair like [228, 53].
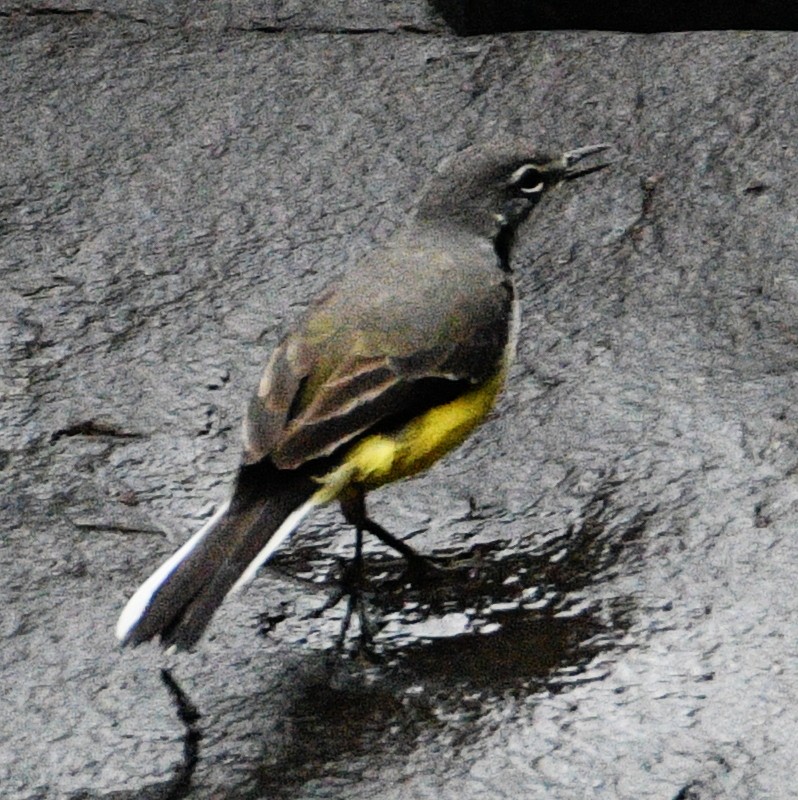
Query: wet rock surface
[614, 610]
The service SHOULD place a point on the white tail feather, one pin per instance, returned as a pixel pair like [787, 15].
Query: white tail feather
[137, 605]
[277, 538]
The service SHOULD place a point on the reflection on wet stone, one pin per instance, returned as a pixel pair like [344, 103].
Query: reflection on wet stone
[502, 619]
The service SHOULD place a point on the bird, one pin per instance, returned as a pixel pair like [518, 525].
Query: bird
[390, 367]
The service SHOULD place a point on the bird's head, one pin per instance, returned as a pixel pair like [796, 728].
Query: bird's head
[490, 189]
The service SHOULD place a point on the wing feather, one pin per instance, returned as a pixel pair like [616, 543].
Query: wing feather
[347, 369]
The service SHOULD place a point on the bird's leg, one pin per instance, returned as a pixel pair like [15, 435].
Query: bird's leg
[353, 507]
[358, 560]
[387, 538]
[341, 638]
[352, 587]
[349, 587]
[354, 510]
[352, 576]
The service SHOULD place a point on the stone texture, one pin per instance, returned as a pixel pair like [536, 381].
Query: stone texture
[172, 193]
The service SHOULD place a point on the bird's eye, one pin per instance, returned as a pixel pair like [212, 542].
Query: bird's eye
[528, 180]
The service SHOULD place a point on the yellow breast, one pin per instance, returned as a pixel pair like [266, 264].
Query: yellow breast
[385, 457]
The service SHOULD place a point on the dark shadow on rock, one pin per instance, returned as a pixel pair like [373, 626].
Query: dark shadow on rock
[180, 784]
[492, 622]
[470, 17]
[331, 732]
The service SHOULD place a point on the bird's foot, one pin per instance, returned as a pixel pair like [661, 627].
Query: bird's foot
[368, 629]
[422, 571]
[351, 585]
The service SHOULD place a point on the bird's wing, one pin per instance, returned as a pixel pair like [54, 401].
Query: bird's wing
[359, 361]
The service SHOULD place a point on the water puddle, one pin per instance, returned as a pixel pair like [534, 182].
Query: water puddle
[466, 647]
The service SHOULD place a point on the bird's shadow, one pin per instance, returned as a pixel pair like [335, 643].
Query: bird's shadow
[492, 622]
[499, 620]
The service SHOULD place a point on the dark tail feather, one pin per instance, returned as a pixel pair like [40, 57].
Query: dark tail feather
[179, 599]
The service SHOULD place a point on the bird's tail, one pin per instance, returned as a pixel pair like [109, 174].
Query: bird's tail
[178, 600]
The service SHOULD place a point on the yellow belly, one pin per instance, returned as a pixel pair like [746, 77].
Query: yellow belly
[382, 458]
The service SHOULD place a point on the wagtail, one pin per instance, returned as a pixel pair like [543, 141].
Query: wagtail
[389, 369]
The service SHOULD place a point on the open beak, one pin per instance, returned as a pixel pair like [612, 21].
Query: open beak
[574, 157]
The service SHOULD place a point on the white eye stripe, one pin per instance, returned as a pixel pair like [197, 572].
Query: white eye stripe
[534, 190]
[523, 175]
[520, 172]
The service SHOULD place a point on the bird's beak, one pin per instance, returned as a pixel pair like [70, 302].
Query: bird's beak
[573, 157]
